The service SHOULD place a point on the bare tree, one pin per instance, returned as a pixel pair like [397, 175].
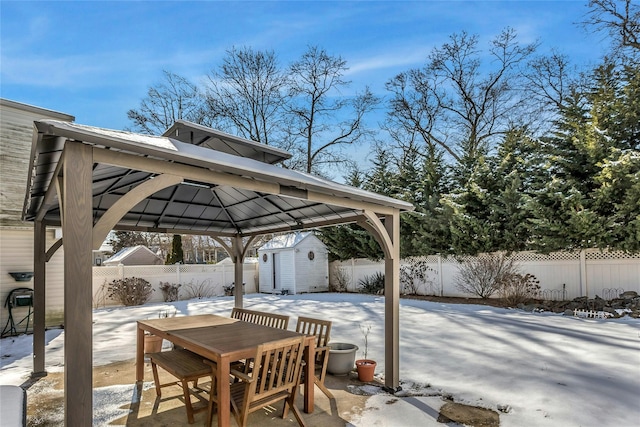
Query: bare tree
[621, 19]
[247, 94]
[550, 83]
[548, 79]
[316, 104]
[176, 98]
[458, 103]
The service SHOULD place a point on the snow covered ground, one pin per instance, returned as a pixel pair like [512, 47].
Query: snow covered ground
[536, 369]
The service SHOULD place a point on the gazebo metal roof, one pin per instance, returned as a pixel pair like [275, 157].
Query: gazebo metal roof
[254, 198]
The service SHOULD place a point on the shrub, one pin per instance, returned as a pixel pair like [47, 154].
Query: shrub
[482, 276]
[199, 290]
[341, 279]
[373, 284]
[414, 273]
[169, 291]
[130, 291]
[517, 288]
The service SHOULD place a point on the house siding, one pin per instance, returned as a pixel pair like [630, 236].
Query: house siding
[287, 271]
[16, 254]
[16, 134]
[16, 236]
[312, 275]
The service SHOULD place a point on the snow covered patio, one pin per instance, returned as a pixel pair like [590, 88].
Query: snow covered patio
[534, 369]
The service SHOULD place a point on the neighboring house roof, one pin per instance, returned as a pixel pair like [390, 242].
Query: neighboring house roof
[286, 241]
[134, 255]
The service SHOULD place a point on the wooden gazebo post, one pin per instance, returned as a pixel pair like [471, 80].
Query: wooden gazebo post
[392, 304]
[75, 195]
[39, 295]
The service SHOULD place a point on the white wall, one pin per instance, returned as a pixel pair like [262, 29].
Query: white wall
[311, 275]
[16, 236]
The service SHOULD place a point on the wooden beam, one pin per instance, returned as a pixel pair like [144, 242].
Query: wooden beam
[306, 226]
[51, 193]
[54, 248]
[77, 225]
[348, 203]
[392, 303]
[39, 297]
[127, 202]
[380, 233]
[239, 249]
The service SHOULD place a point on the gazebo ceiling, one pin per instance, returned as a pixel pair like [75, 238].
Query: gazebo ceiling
[226, 186]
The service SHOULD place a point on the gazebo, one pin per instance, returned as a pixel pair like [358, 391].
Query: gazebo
[191, 180]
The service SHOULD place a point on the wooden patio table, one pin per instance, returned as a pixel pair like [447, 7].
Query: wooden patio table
[223, 340]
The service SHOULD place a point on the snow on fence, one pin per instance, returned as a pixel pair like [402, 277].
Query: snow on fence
[207, 278]
[562, 275]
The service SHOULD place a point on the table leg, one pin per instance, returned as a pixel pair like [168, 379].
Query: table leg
[309, 379]
[140, 354]
[224, 392]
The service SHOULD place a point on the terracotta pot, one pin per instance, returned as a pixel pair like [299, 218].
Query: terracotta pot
[152, 344]
[366, 368]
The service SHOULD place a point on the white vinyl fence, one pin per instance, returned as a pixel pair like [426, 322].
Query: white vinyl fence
[206, 279]
[562, 275]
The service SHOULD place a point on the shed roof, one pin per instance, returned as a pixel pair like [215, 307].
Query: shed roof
[285, 241]
[219, 193]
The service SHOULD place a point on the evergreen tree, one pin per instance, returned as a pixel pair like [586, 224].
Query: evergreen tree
[574, 207]
[426, 230]
[511, 192]
[617, 200]
[176, 255]
[351, 241]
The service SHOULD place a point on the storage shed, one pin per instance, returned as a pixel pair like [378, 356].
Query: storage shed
[294, 263]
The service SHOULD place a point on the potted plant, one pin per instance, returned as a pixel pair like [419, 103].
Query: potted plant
[366, 367]
[153, 343]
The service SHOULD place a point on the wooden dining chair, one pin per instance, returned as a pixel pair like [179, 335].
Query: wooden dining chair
[274, 376]
[280, 321]
[321, 329]
[186, 366]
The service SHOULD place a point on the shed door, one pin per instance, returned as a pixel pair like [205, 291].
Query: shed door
[275, 259]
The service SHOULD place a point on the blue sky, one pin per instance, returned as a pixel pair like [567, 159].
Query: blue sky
[95, 60]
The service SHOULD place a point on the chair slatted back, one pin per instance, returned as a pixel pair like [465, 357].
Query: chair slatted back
[276, 369]
[272, 320]
[320, 328]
